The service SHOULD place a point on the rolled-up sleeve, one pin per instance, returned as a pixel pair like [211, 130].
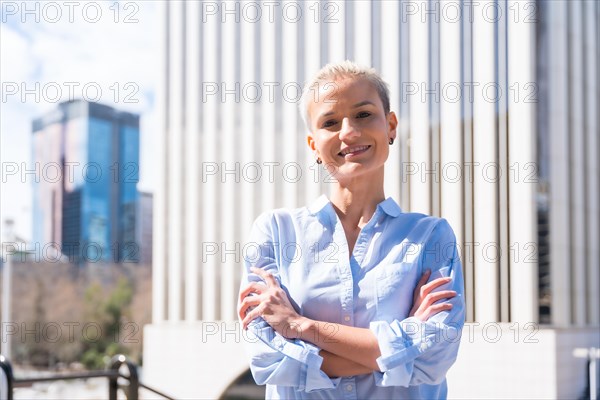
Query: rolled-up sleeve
[274, 359]
[417, 352]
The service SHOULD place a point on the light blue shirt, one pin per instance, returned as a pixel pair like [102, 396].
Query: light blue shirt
[307, 251]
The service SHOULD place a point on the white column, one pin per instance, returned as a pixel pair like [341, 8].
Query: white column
[431, 13]
[159, 217]
[390, 71]
[577, 165]
[268, 149]
[420, 141]
[362, 32]
[292, 138]
[522, 187]
[175, 173]
[502, 52]
[403, 110]
[337, 30]
[229, 173]
[193, 156]
[249, 136]
[210, 156]
[484, 155]
[592, 165]
[468, 252]
[315, 174]
[560, 239]
[451, 140]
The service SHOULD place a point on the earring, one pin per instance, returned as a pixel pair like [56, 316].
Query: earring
[391, 141]
[319, 161]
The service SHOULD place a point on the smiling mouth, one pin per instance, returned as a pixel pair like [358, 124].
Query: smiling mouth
[354, 150]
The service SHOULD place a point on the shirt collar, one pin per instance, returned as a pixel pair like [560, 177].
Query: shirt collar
[388, 206]
[318, 205]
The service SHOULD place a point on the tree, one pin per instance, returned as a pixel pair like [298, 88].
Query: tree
[101, 339]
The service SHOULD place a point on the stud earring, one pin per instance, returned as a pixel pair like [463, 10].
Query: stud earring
[391, 141]
[319, 161]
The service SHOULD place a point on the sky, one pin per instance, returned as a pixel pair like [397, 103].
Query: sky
[60, 50]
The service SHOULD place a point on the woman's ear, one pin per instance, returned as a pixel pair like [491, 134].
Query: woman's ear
[310, 141]
[392, 124]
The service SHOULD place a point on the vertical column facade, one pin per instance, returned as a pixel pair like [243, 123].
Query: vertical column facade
[233, 144]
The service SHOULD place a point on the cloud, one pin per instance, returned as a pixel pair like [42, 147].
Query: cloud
[58, 60]
[15, 52]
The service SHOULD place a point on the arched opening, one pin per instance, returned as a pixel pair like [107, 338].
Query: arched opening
[244, 388]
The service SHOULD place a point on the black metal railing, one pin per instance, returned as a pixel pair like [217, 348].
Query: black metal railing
[112, 373]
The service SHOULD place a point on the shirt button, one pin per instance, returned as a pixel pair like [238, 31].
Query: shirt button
[349, 388]
[347, 318]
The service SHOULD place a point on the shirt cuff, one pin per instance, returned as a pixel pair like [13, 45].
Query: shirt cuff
[312, 378]
[400, 344]
[315, 379]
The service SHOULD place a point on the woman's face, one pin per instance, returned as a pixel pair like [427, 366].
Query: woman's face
[350, 131]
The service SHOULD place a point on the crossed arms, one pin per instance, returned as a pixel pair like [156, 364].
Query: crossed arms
[355, 350]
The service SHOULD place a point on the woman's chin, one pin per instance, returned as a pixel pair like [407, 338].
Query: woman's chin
[350, 173]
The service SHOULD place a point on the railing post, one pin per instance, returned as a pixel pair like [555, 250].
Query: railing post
[8, 372]
[134, 382]
[113, 385]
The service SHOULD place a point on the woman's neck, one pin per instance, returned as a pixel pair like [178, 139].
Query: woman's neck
[355, 201]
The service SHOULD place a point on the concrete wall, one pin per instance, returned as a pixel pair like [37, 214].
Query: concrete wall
[511, 361]
[195, 360]
[495, 361]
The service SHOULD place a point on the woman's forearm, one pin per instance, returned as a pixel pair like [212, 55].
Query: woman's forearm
[355, 344]
[336, 366]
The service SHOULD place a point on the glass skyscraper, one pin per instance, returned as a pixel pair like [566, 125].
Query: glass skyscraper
[86, 159]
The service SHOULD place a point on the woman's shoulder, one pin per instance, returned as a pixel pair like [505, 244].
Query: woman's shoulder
[277, 218]
[424, 226]
[421, 218]
[286, 214]
[276, 214]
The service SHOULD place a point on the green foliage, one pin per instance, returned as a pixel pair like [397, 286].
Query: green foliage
[107, 315]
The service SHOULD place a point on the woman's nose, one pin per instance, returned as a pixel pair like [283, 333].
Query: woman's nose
[348, 130]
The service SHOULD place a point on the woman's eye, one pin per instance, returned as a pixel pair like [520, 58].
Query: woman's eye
[328, 124]
[363, 114]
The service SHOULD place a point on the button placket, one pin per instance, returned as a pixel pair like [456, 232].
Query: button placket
[347, 299]
[349, 388]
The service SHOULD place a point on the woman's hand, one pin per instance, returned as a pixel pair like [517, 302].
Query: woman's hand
[423, 298]
[271, 303]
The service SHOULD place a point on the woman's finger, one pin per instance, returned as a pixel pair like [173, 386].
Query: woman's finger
[252, 315]
[424, 277]
[250, 301]
[436, 308]
[433, 284]
[252, 287]
[267, 276]
[421, 283]
[433, 297]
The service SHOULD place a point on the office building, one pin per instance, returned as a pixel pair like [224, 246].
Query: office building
[86, 159]
[498, 133]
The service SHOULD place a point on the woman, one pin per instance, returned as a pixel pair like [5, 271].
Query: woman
[350, 297]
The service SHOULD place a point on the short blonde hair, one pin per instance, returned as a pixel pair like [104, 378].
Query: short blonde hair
[344, 69]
